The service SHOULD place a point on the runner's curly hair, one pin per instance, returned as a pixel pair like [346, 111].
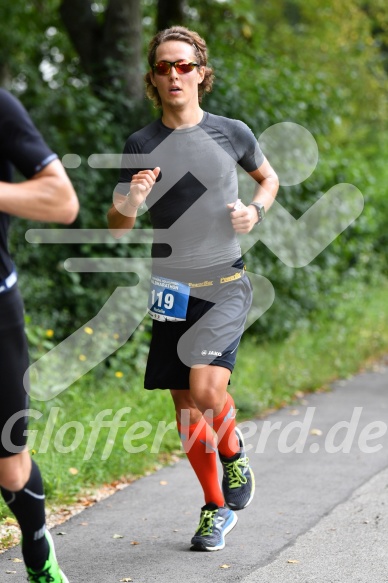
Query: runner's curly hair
[190, 37]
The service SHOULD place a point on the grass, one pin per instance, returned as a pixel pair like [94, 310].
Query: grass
[331, 346]
[75, 451]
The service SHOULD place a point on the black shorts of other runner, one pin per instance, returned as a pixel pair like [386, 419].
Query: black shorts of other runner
[13, 365]
[211, 334]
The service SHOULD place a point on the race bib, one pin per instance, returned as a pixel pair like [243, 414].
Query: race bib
[168, 299]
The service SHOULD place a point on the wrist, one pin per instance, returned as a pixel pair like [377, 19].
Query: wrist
[260, 211]
[131, 204]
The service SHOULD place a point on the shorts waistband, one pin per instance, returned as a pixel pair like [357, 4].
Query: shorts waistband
[8, 283]
[205, 277]
[218, 280]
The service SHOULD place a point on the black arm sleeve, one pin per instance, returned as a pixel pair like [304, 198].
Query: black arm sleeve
[20, 142]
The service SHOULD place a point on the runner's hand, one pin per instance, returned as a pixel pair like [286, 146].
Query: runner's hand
[243, 218]
[141, 186]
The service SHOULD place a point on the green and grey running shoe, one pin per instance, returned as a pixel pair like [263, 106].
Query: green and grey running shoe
[238, 483]
[215, 522]
[51, 573]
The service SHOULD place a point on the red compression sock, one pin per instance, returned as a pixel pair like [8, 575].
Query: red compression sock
[200, 447]
[224, 425]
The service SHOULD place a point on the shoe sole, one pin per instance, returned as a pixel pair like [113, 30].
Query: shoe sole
[241, 439]
[50, 538]
[224, 533]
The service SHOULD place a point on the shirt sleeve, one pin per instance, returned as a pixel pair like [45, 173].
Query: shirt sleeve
[133, 159]
[21, 143]
[250, 155]
[126, 172]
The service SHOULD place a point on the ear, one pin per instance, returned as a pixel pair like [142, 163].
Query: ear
[201, 74]
[152, 78]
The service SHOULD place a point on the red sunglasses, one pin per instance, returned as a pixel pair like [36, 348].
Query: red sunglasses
[181, 67]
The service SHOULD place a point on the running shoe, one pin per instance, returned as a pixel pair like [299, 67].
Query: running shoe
[215, 522]
[51, 571]
[238, 482]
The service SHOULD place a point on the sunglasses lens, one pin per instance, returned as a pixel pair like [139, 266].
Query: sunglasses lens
[162, 68]
[183, 68]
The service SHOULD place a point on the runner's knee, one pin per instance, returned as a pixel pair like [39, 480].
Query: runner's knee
[15, 471]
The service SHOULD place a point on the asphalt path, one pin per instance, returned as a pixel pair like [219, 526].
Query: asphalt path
[320, 513]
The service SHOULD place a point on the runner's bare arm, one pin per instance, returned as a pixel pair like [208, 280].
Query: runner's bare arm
[47, 196]
[122, 214]
[244, 219]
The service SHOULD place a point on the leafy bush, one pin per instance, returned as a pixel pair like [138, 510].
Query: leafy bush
[274, 62]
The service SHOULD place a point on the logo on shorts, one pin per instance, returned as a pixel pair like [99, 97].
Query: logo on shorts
[211, 353]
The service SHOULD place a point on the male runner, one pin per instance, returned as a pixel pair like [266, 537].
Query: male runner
[45, 195]
[184, 167]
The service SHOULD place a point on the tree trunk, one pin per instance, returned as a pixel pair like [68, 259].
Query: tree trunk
[5, 77]
[110, 51]
[170, 13]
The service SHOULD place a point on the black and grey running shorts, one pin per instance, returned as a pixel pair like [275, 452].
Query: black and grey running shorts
[13, 365]
[210, 335]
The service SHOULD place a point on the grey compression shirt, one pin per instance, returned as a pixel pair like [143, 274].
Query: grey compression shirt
[187, 205]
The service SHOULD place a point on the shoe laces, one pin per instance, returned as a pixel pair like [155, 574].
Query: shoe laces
[206, 522]
[235, 472]
[41, 577]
